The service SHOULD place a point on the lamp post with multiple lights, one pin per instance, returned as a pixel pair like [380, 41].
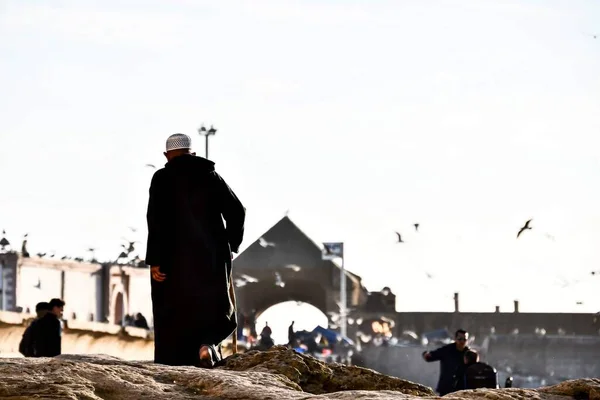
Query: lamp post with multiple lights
[207, 133]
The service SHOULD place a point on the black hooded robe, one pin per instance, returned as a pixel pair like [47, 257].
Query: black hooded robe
[189, 241]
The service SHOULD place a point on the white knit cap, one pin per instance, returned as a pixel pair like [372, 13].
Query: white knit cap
[179, 141]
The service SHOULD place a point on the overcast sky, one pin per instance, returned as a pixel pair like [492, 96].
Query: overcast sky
[361, 118]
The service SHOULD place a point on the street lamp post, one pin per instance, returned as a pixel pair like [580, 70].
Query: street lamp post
[343, 298]
[206, 133]
[332, 251]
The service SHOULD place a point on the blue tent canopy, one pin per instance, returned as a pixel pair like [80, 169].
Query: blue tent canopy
[332, 336]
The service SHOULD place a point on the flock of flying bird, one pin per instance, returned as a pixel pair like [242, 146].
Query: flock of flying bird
[524, 228]
[245, 279]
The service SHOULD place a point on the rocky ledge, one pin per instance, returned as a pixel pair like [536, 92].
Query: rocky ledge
[275, 374]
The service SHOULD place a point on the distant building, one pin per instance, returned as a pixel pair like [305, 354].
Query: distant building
[92, 292]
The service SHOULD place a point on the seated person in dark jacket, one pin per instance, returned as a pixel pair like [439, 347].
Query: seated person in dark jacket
[476, 374]
[26, 346]
[48, 331]
[450, 358]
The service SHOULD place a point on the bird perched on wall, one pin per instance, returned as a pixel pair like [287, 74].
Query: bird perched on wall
[122, 255]
[399, 238]
[4, 242]
[525, 227]
[92, 251]
[24, 251]
[129, 248]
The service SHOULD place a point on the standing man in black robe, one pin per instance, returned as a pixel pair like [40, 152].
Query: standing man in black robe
[190, 252]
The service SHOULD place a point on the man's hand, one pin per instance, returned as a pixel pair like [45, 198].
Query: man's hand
[156, 274]
[426, 355]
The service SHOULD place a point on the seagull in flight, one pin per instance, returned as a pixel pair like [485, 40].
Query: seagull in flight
[526, 226]
[294, 267]
[399, 238]
[278, 281]
[263, 242]
[429, 275]
[240, 283]
[248, 278]
[151, 166]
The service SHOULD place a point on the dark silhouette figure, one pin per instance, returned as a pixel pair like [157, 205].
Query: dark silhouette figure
[476, 374]
[450, 358]
[417, 227]
[140, 321]
[399, 238]
[26, 346]
[266, 341]
[525, 227]
[190, 254]
[47, 334]
[291, 335]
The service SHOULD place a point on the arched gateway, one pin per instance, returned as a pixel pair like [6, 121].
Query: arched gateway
[284, 265]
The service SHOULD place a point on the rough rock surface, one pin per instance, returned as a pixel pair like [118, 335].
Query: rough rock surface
[316, 377]
[277, 374]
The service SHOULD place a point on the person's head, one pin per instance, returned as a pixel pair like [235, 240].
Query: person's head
[293, 322]
[460, 338]
[471, 357]
[42, 308]
[57, 307]
[138, 315]
[178, 145]
[266, 323]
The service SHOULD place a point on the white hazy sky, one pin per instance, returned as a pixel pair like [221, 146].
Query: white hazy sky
[360, 117]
